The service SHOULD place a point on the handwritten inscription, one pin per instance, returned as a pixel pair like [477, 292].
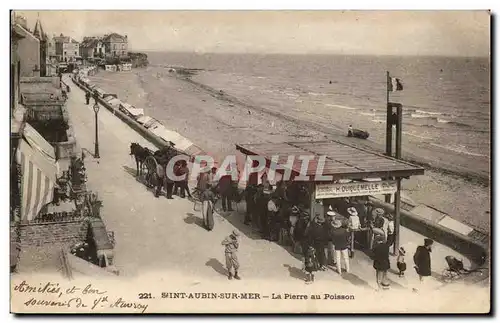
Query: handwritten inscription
[87, 297]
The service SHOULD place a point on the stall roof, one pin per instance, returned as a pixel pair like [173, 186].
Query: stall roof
[341, 160]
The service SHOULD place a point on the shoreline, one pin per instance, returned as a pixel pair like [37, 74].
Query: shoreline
[476, 177]
[186, 108]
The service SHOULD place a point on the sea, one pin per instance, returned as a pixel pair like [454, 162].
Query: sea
[446, 100]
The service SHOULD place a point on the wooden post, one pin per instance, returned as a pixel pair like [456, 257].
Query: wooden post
[397, 216]
[399, 131]
[312, 198]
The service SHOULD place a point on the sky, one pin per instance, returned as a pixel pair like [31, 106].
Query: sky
[444, 33]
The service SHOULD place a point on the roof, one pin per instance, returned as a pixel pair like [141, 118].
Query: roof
[90, 42]
[114, 35]
[64, 39]
[341, 160]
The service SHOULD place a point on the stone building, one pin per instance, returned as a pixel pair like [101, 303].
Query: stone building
[116, 45]
[28, 47]
[67, 49]
[92, 47]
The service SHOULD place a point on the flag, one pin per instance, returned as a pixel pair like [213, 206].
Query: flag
[394, 84]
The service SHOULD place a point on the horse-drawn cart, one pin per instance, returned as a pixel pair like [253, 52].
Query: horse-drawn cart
[147, 161]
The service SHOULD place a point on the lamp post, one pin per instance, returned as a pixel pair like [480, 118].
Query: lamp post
[96, 148]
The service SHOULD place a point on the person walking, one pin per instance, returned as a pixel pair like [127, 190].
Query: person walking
[207, 199]
[311, 264]
[422, 260]
[340, 238]
[317, 237]
[87, 97]
[381, 262]
[231, 245]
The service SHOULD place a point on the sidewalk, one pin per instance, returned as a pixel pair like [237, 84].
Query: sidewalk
[160, 234]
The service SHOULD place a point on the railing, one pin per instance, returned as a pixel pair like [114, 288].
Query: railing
[57, 218]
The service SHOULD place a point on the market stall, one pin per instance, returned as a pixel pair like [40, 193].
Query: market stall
[336, 170]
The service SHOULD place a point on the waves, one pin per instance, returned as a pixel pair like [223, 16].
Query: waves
[461, 149]
[339, 106]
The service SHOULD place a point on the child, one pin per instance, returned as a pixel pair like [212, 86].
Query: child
[401, 262]
[311, 264]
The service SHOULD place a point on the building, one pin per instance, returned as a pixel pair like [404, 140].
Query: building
[42, 38]
[51, 47]
[28, 48]
[16, 35]
[116, 45]
[92, 47]
[67, 49]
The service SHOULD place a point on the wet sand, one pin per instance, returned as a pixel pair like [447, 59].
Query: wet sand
[217, 122]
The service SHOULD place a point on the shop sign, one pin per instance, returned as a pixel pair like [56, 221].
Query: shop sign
[326, 191]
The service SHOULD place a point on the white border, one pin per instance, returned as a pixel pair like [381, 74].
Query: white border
[186, 4]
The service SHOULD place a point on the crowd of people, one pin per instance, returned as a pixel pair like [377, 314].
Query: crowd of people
[329, 237]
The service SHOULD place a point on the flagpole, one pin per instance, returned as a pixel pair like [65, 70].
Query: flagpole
[388, 131]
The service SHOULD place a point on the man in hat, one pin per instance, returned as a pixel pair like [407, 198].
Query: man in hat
[354, 226]
[340, 238]
[317, 236]
[378, 217]
[422, 260]
[231, 248]
[330, 214]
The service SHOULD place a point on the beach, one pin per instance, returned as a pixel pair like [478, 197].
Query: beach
[456, 183]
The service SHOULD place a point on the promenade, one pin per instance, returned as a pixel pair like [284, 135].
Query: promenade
[161, 235]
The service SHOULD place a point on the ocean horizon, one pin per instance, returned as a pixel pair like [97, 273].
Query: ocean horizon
[446, 100]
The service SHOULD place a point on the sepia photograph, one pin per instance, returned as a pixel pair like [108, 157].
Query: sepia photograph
[250, 161]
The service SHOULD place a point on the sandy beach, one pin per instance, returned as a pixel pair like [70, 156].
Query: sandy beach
[216, 123]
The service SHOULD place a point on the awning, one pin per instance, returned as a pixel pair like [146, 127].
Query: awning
[135, 112]
[144, 119]
[180, 142]
[114, 102]
[39, 169]
[152, 123]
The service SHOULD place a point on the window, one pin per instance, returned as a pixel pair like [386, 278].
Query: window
[114, 46]
[65, 53]
[123, 46]
[123, 52]
[76, 53]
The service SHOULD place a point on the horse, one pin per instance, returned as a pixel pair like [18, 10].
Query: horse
[140, 153]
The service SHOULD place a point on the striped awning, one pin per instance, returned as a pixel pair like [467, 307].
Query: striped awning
[39, 169]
